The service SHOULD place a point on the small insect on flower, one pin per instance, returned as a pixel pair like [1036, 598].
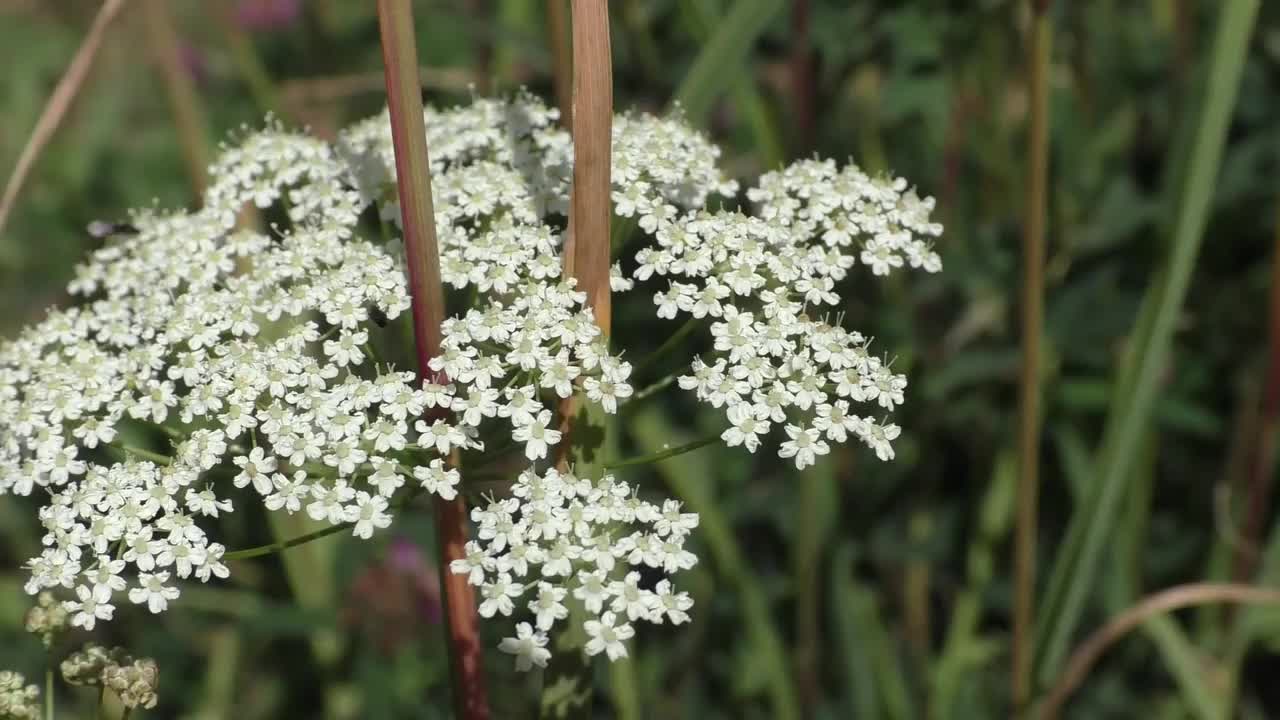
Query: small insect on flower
[103, 229]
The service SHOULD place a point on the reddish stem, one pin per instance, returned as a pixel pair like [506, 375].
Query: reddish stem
[1262, 457]
[409, 138]
[802, 79]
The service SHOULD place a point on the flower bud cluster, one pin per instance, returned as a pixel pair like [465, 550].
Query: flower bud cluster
[135, 681]
[561, 540]
[47, 618]
[18, 699]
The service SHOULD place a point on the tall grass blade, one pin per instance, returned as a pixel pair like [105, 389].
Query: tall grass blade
[746, 96]
[962, 649]
[1075, 566]
[721, 58]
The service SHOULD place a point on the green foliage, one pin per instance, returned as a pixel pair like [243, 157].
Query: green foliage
[1164, 152]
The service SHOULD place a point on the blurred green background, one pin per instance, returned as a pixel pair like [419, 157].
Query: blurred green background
[857, 589]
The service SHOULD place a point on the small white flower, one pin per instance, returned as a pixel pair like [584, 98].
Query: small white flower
[256, 468]
[499, 595]
[153, 591]
[528, 647]
[805, 445]
[536, 435]
[369, 513]
[89, 608]
[437, 479]
[604, 636]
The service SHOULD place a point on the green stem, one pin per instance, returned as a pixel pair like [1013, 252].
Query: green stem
[665, 454]
[671, 343]
[1033, 252]
[48, 690]
[285, 544]
[282, 545]
[653, 388]
[373, 355]
[144, 454]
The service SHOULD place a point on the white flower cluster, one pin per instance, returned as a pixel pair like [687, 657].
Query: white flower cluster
[253, 351]
[561, 537]
[760, 282]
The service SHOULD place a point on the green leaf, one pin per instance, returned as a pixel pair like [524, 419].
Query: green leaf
[873, 666]
[962, 651]
[1187, 666]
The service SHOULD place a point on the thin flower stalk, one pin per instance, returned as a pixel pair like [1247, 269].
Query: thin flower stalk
[1033, 252]
[63, 95]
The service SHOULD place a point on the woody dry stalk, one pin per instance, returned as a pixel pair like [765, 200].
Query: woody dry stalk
[404, 102]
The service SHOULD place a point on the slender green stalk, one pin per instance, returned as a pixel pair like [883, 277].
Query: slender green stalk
[963, 648]
[704, 16]
[154, 457]
[816, 506]
[655, 358]
[1075, 566]
[413, 179]
[662, 455]
[248, 63]
[738, 29]
[48, 690]
[652, 389]
[281, 545]
[1033, 257]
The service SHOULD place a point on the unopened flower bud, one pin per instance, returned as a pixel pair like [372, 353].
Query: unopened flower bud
[18, 700]
[47, 618]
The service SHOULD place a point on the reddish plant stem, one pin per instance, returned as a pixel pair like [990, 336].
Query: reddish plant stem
[802, 80]
[592, 147]
[1262, 455]
[408, 132]
[586, 251]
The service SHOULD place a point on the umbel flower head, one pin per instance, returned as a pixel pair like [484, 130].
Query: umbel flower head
[254, 353]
